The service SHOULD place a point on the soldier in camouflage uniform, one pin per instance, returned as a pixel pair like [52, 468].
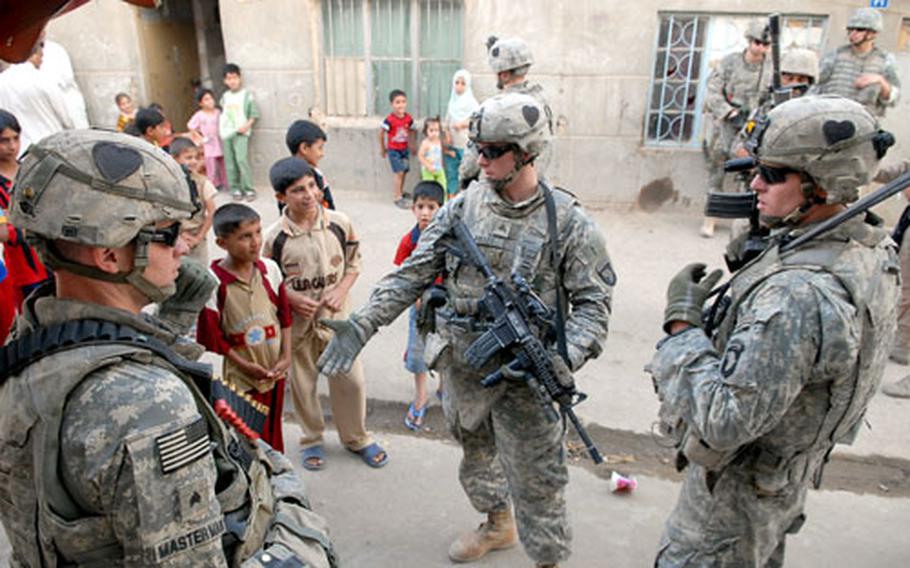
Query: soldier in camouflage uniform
[735, 88]
[512, 453]
[798, 352]
[860, 70]
[511, 60]
[110, 454]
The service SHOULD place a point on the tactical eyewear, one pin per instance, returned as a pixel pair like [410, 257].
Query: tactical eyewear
[494, 151]
[772, 175]
[760, 42]
[859, 30]
[167, 236]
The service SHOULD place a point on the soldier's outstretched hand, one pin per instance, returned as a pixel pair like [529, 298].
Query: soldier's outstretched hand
[341, 351]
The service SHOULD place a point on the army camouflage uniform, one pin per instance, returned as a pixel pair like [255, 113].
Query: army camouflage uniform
[789, 374]
[110, 454]
[841, 68]
[510, 449]
[797, 354]
[733, 84]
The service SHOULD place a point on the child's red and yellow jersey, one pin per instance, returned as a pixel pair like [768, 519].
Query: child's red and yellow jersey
[246, 317]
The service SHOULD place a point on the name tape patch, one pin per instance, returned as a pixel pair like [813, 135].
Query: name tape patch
[187, 541]
[182, 447]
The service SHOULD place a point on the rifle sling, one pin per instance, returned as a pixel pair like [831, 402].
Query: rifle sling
[556, 261]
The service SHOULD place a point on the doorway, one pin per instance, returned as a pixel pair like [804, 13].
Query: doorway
[181, 48]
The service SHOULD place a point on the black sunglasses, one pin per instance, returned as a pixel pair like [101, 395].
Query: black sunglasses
[167, 236]
[760, 42]
[494, 151]
[772, 175]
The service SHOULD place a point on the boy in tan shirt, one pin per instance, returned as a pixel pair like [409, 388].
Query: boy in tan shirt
[318, 253]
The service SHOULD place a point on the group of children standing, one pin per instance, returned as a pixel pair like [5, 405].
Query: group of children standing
[277, 283]
[444, 141]
[222, 130]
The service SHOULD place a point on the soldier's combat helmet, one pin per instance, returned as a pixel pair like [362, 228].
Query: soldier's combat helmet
[758, 30]
[865, 19]
[101, 189]
[834, 140]
[513, 118]
[798, 61]
[509, 54]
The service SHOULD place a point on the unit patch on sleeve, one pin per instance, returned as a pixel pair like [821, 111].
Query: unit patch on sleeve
[182, 447]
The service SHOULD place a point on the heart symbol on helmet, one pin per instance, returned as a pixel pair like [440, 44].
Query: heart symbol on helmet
[836, 131]
[115, 162]
[531, 114]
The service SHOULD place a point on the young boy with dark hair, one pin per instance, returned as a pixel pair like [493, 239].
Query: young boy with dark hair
[305, 139]
[429, 196]
[238, 114]
[248, 318]
[319, 255]
[195, 230]
[152, 126]
[396, 140]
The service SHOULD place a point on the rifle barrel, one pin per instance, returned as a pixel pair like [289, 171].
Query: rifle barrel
[869, 201]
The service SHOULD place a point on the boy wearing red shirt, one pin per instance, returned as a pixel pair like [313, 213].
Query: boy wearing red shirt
[395, 141]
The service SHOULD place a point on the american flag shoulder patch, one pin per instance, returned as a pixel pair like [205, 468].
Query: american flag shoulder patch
[182, 447]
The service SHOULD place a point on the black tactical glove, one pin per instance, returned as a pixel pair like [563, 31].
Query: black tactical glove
[687, 293]
[350, 337]
[195, 285]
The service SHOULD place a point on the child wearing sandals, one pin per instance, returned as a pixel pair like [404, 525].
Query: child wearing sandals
[319, 256]
[428, 198]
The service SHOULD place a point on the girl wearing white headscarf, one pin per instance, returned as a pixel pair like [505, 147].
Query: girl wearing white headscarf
[461, 104]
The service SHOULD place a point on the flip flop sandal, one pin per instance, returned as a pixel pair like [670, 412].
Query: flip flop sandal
[414, 418]
[316, 453]
[368, 455]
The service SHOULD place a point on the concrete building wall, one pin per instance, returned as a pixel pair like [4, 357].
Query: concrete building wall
[593, 57]
[102, 38]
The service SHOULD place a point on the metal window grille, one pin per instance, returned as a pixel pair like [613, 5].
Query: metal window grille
[686, 46]
[374, 46]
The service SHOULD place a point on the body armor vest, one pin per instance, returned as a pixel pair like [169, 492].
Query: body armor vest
[846, 69]
[845, 256]
[512, 243]
[46, 527]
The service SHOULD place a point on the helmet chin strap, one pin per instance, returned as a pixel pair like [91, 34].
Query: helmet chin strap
[138, 280]
[133, 277]
[793, 218]
[500, 184]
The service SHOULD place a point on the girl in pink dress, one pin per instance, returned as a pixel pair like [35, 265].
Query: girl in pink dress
[204, 125]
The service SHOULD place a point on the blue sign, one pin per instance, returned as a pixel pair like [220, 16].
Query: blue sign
[878, 3]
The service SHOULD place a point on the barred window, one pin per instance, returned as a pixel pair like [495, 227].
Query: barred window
[688, 47]
[371, 47]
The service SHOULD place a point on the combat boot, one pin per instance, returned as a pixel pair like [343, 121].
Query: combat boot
[497, 533]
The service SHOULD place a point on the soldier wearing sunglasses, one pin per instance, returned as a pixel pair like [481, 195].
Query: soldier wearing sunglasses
[799, 348]
[860, 70]
[734, 89]
[112, 452]
[514, 456]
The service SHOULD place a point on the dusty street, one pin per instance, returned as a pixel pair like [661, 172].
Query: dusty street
[407, 513]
